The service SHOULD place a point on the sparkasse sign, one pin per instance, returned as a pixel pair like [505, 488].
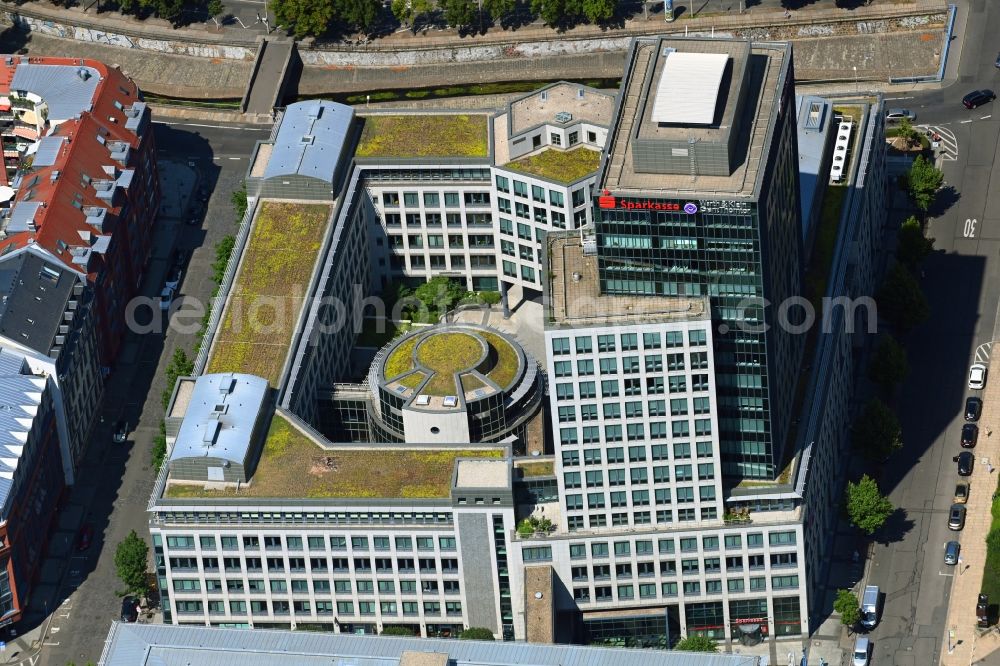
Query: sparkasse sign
[607, 200]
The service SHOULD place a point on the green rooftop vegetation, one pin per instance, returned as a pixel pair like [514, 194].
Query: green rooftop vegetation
[413, 380]
[401, 358]
[505, 370]
[561, 166]
[424, 135]
[540, 468]
[445, 354]
[271, 285]
[292, 465]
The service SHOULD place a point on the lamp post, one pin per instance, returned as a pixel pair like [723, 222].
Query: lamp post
[856, 89]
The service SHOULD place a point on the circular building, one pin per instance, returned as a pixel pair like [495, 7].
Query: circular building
[454, 383]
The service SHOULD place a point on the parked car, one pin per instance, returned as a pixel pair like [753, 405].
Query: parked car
[895, 115]
[970, 435]
[956, 517]
[181, 258]
[121, 431]
[203, 194]
[130, 609]
[166, 298]
[84, 537]
[195, 214]
[862, 648]
[965, 462]
[961, 493]
[973, 408]
[952, 550]
[174, 278]
[977, 376]
[983, 610]
[977, 98]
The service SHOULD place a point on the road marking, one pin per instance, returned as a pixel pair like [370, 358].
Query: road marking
[235, 158]
[964, 122]
[969, 231]
[983, 352]
[986, 117]
[945, 574]
[893, 99]
[52, 643]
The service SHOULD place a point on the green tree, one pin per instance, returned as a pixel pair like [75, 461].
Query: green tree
[305, 18]
[396, 631]
[907, 132]
[180, 366]
[557, 13]
[901, 300]
[867, 507]
[239, 201]
[215, 9]
[223, 250]
[876, 432]
[696, 644]
[913, 247]
[439, 295]
[477, 634]
[160, 447]
[888, 366]
[408, 11]
[459, 13]
[498, 9]
[846, 604]
[598, 11]
[130, 563]
[923, 180]
[360, 13]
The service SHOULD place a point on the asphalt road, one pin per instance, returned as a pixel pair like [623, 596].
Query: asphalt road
[962, 286]
[116, 500]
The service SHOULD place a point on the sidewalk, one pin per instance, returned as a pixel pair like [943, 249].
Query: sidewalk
[969, 643]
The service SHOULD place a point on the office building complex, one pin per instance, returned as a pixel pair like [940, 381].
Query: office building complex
[321, 477]
[700, 197]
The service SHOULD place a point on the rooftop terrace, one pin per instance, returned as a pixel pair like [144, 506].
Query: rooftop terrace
[424, 135]
[294, 465]
[540, 106]
[561, 166]
[271, 286]
[575, 297]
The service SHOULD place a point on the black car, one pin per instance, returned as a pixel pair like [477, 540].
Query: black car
[983, 610]
[130, 609]
[973, 408]
[121, 431]
[970, 433]
[965, 461]
[977, 98]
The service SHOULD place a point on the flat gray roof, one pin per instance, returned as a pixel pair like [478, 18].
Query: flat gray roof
[169, 645]
[68, 90]
[574, 295]
[813, 132]
[310, 140]
[766, 64]
[585, 103]
[220, 417]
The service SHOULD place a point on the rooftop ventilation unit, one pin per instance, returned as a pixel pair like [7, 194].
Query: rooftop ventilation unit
[564, 117]
[423, 400]
[579, 93]
[307, 139]
[226, 384]
[450, 401]
[590, 247]
[83, 73]
[545, 95]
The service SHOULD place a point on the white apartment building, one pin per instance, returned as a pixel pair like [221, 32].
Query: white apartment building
[641, 525]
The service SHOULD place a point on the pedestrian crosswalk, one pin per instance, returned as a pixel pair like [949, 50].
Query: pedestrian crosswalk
[947, 143]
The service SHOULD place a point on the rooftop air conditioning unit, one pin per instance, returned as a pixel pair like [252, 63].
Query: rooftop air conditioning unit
[564, 117]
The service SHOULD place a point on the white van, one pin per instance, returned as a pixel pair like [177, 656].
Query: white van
[869, 606]
[862, 646]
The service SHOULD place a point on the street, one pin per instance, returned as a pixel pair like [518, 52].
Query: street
[962, 287]
[115, 480]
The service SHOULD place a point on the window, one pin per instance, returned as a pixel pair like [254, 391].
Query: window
[784, 582]
[410, 199]
[584, 345]
[697, 338]
[755, 540]
[781, 538]
[578, 197]
[502, 184]
[560, 346]
[390, 199]
[599, 549]
[477, 198]
[432, 199]
[556, 198]
[577, 550]
[539, 554]
[520, 189]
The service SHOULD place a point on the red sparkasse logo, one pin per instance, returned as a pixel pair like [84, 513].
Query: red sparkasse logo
[607, 200]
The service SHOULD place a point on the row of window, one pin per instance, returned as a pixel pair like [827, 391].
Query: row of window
[631, 364]
[689, 567]
[317, 586]
[303, 607]
[616, 454]
[600, 549]
[293, 543]
[606, 343]
[358, 565]
[612, 388]
[634, 518]
[634, 409]
[433, 199]
[617, 499]
[437, 261]
[578, 197]
[433, 220]
[627, 592]
[634, 432]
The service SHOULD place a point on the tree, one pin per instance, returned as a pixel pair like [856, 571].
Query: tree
[223, 250]
[867, 507]
[305, 18]
[498, 9]
[439, 295]
[477, 634]
[214, 9]
[901, 299]
[696, 644]
[360, 13]
[556, 13]
[130, 563]
[888, 366]
[913, 247]
[876, 432]
[408, 11]
[923, 180]
[239, 201]
[160, 447]
[598, 11]
[907, 132]
[846, 604]
[459, 13]
[180, 366]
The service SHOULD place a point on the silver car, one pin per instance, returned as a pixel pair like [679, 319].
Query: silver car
[895, 115]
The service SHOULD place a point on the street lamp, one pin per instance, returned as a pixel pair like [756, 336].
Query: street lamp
[855, 78]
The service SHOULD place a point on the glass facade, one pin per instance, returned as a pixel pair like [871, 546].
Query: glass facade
[639, 631]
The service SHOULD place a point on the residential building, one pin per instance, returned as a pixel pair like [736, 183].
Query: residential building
[31, 478]
[84, 177]
[700, 197]
[151, 644]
